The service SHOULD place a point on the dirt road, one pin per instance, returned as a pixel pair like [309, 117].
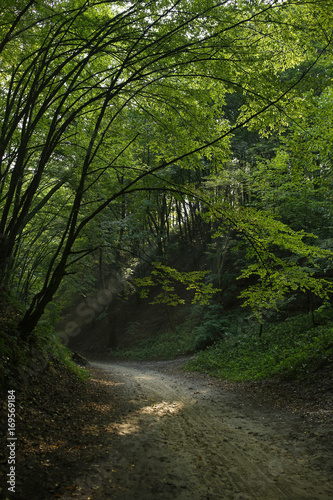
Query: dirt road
[179, 437]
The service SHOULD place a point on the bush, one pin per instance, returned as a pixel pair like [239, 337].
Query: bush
[292, 348]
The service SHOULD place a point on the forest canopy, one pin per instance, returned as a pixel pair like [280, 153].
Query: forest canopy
[124, 122]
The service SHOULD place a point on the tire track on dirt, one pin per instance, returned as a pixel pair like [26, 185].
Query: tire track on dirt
[179, 439]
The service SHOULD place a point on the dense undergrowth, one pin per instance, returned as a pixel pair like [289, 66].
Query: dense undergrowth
[174, 341]
[292, 347]
[224, 345]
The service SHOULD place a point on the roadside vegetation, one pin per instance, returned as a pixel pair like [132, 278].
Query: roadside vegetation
[292, 348]
[235, 348]
[141, 153]
[176, 153]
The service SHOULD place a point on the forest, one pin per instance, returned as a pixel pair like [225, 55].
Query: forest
[133, 132]
[165, 193]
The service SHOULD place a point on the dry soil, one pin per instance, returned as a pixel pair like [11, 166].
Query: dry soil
[182, 436]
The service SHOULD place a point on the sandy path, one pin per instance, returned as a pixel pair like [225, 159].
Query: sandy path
[179, 438]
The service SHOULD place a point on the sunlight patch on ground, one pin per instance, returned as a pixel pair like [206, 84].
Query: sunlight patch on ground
[125, 428]
[163, 408]
[134, 422]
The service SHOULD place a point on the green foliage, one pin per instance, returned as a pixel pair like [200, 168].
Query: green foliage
[168, 344]
[49, 345]
[167, 278]
[60, 353]
[159, 347]
[211, 328]
[111, 117]
[133, 327]
[292, 348]
[279, 260]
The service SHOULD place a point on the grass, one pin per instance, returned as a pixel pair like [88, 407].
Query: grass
[160, 347]
[291, 348]
[171, 343]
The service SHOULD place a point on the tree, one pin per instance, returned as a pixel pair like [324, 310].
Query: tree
[83, 80]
